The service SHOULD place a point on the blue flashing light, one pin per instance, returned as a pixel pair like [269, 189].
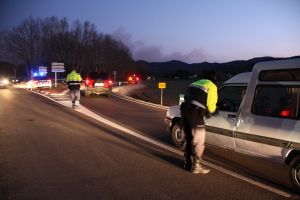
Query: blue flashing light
[41, 74]
[35, 74]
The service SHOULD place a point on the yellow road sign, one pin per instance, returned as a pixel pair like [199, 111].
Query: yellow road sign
[162, 85]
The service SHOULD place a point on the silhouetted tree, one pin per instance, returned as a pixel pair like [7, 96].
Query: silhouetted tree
[42, 41]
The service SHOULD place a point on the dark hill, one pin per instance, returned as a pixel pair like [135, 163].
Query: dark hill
[175, 68]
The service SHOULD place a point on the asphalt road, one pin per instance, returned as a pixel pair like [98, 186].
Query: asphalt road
[142, 118]
[149, 121]
[48, 151]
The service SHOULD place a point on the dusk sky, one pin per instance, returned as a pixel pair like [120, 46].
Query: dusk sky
[191, 31]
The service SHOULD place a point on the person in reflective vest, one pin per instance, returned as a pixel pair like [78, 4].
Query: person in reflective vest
[200, 100]
[73, 81]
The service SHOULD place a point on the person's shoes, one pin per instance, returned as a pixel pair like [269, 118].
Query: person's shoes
[198, 168]
[187, 164]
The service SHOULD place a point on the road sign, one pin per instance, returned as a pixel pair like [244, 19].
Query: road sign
[42, 69]
[162, 85]
[57, 67]
[57, 64]
[58, 70]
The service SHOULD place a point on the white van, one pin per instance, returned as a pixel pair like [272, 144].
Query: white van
[259, 115]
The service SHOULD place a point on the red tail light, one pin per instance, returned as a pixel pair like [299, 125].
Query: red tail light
[87, 81]
[285, 113]
[110, 82]
[137, 78]
[130, 78]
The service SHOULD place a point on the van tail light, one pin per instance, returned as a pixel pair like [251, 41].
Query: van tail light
[137, 78]
[106, 84]
[89, 83]
[285, 113]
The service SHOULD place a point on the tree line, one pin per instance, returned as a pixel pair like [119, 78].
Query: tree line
[41, 41]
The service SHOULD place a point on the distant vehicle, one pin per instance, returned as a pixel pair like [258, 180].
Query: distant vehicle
[14, 80]
[133, 79]
[259, 116]
[4, 82]
[39, 82]
[97, 83]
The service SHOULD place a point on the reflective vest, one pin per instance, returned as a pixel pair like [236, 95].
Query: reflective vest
[204, 94]
[73, 80]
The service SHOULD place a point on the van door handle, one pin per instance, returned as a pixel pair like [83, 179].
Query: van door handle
[231, 116]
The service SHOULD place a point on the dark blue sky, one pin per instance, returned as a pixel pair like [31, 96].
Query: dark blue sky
[191, 30]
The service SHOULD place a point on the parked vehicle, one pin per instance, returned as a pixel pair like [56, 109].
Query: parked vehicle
[14, 80]
[97, 83]
[259, 115]
[4, 82]
[133, 79]
[39, 82]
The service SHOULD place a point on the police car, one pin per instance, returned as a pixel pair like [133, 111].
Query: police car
[39, 82]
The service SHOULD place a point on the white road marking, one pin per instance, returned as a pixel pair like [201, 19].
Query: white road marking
[93, 115]
[140, 102]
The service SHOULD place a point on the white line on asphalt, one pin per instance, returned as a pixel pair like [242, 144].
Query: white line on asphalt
[140, 101]
[93, 115]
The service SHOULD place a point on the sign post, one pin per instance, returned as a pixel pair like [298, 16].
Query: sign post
[161, 86]
[57, 67]
[115, 75]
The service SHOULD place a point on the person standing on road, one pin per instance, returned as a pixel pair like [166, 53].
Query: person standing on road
[200, 101]
[73, 81]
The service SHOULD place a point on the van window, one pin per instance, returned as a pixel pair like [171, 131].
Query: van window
[277, 101]
[230, 98]
[280, 75]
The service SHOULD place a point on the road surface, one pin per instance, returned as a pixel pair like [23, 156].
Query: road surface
[48, 151]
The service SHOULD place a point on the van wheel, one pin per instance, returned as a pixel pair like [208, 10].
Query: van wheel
[294, 170]
[178, 136]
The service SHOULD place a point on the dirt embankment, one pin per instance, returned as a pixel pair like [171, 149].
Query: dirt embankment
[149, 91]
[139, 91]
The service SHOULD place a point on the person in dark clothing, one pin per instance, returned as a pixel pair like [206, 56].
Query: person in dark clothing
[200, 100]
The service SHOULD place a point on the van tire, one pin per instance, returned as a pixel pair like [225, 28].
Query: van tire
[294, 172]
[178, 137]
